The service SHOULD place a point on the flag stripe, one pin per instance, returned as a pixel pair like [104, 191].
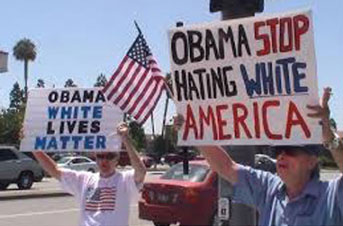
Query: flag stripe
[137, 84]
[150, 105]
[152, 108]
[133, 107]
[147, 101]
[134, 90]
[121, 80]
[128, 84]
[116, 73]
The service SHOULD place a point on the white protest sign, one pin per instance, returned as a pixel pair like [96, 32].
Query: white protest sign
[70, 119]
[246, 81]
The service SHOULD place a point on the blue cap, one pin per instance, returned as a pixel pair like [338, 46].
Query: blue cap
[311, 149]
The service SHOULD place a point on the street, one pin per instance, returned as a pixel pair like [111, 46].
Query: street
[55, 211]
[63, 210]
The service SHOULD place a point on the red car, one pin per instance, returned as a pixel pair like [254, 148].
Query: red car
[124, 160]
[175, 198]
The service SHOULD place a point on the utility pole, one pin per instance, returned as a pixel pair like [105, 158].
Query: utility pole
[234, 213]
[3, 61]
[184, 149]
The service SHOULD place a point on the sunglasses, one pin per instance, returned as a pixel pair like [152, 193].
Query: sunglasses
[289, 152]
[106, 156]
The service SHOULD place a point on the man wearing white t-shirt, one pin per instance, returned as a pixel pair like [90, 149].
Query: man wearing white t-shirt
[104, 197]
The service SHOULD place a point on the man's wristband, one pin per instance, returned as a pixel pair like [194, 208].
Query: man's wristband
[333, 144]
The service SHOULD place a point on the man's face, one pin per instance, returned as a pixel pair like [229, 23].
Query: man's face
[107, 162]
[294, 164]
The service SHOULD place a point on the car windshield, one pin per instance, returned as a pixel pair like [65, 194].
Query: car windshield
[197, 173]
[63, 160]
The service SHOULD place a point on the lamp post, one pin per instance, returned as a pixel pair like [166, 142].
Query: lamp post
[233, 213]
[3, 61]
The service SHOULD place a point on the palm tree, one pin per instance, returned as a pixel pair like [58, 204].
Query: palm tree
[25, 50]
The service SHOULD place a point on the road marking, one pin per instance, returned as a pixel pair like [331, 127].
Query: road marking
[37, 213]
[44, 212]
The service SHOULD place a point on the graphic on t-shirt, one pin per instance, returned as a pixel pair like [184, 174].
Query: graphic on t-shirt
[101, 199]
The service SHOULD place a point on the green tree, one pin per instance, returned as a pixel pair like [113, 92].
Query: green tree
[10, 125]
[25, 50]
[70, 83]
[16, 97]
[138, 135]
[100, 81]
[40, 83]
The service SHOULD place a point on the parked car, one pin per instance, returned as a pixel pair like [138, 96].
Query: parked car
[78, 163]
[265, 162]
[148, 161]
[124, 160]
[173, 158]
[16, 167]
[176, 198]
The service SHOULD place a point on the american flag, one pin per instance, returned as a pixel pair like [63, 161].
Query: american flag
[103, 199]
[137, 84]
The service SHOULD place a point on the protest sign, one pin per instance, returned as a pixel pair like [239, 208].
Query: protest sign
[70, 119]
[246, 81]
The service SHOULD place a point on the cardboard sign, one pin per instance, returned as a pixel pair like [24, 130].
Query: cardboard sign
[246, 81]
[70, 119]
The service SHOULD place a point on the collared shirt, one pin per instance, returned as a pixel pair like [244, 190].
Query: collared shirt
[320, 203]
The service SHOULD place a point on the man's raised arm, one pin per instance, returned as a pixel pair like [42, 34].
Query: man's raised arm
[48, 164]
[322, 111]
[219, 160]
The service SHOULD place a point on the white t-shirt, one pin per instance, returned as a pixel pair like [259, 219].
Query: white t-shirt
[103, 201]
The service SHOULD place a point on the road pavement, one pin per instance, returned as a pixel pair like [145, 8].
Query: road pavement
[61, 210]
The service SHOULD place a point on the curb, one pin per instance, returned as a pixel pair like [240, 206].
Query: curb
[29, 195]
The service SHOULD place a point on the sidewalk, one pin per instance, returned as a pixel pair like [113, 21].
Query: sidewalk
[49, 187]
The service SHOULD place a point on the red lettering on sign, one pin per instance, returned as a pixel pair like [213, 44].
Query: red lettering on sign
[257, 121]
[209, 119]
[222, 123]
[301, 25]
[281, 34]
[265, 106]
[299, 120]
[240, 120]
[190, 123]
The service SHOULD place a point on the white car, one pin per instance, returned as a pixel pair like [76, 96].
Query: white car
[78, 163]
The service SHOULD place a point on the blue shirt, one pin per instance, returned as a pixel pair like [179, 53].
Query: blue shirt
[320, 203]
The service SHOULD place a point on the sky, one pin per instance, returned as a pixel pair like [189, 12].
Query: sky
[80, 39]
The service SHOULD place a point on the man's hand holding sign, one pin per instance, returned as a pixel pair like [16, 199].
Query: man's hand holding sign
[248, 82]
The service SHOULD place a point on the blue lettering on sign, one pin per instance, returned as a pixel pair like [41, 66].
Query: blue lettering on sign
[52, 112]
[251, 85]
[101, 142]
[66, 112]
[89, 142]
[52, 143]
[298, 76]
[64, 140]
[275, 78]
[40, 143]
[97, 112]
[76, 140]
[86, 110]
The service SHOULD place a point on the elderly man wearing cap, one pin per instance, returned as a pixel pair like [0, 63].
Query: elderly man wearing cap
[104, 197]
[296, 196]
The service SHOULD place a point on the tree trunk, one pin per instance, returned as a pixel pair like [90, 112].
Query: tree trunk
[26, 62]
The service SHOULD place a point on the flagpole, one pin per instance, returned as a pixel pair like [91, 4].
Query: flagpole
[152, 124]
